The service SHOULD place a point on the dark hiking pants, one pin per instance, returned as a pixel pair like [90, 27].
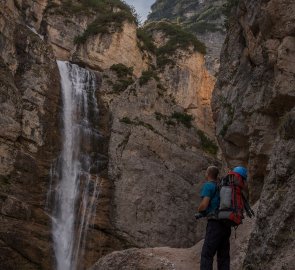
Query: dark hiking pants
[216, 241]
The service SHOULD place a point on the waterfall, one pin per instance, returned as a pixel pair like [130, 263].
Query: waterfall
[77, 186]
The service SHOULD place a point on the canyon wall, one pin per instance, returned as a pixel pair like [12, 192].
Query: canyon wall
[29, 141]
[205, 19]
[155, 123]
[253, 106]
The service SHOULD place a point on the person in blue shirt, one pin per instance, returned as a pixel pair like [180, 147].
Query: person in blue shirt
[217, 239]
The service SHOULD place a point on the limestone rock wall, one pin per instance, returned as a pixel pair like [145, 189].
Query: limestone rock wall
[156, 182]
[100, 51]
[156, 163]
[253, 105]
[29, 141]
[146, 140]
[205, 19]
[175, 258]
[182, 80]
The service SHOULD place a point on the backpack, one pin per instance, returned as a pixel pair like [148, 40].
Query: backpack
[232, 200]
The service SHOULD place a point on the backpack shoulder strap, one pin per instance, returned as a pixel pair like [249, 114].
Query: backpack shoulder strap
[216, 190]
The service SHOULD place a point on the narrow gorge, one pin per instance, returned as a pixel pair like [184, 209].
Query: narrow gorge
[108, 127]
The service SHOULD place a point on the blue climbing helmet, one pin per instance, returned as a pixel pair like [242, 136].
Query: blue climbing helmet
[241, 171]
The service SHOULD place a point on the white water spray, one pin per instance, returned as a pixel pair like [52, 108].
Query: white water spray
[77, 188]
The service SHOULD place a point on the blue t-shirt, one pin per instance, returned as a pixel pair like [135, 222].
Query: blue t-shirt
[210, 190]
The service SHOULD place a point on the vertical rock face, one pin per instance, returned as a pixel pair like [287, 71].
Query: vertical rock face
[253, 106]
[62, 26]
[203, 18]
[29, 141]
[155, 182]
[182, 80]
[157, 153]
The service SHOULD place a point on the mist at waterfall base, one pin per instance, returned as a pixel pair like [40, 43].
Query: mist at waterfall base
[73, 176]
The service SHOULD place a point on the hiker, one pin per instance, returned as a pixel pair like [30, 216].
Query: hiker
[220, 221]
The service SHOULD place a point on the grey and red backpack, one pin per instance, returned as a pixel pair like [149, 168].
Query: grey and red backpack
[233, 202]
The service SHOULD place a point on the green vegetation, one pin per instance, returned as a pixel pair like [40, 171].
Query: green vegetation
[90, 7]
[110, 16]
[184, 118]
[102, 25]
[146, 76]
[205, 21]
[176, 117]
[178, 38]
[126, 120]
[207, 144]
[122, 70]
[145, 41]
[122, 84]
[138, 122]
[124, 75]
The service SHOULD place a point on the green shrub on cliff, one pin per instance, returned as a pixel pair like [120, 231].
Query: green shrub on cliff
[126, 120]
[184, 118]
[122, 85]
[207, 144]
[145, 40]
[178, 38]
[122, 70]
[147, 76]
[104, 24]
[124, 75]
[111, 14]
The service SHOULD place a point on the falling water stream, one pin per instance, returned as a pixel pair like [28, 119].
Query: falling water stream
[76, 186]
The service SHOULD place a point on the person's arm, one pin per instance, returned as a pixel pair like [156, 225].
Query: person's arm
[204, 204]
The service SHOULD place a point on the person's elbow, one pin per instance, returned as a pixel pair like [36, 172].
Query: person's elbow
[202, 208]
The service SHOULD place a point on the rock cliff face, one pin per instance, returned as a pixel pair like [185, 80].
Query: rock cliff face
[29, 141]
[157, 152]
[98, 51]
[253, 106]
[203, 18]
[155, 124]
[174, 258]
[183, 79]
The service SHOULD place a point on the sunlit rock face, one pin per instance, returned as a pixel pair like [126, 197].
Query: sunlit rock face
[190, 83]
[253, 105]
[98, 52]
